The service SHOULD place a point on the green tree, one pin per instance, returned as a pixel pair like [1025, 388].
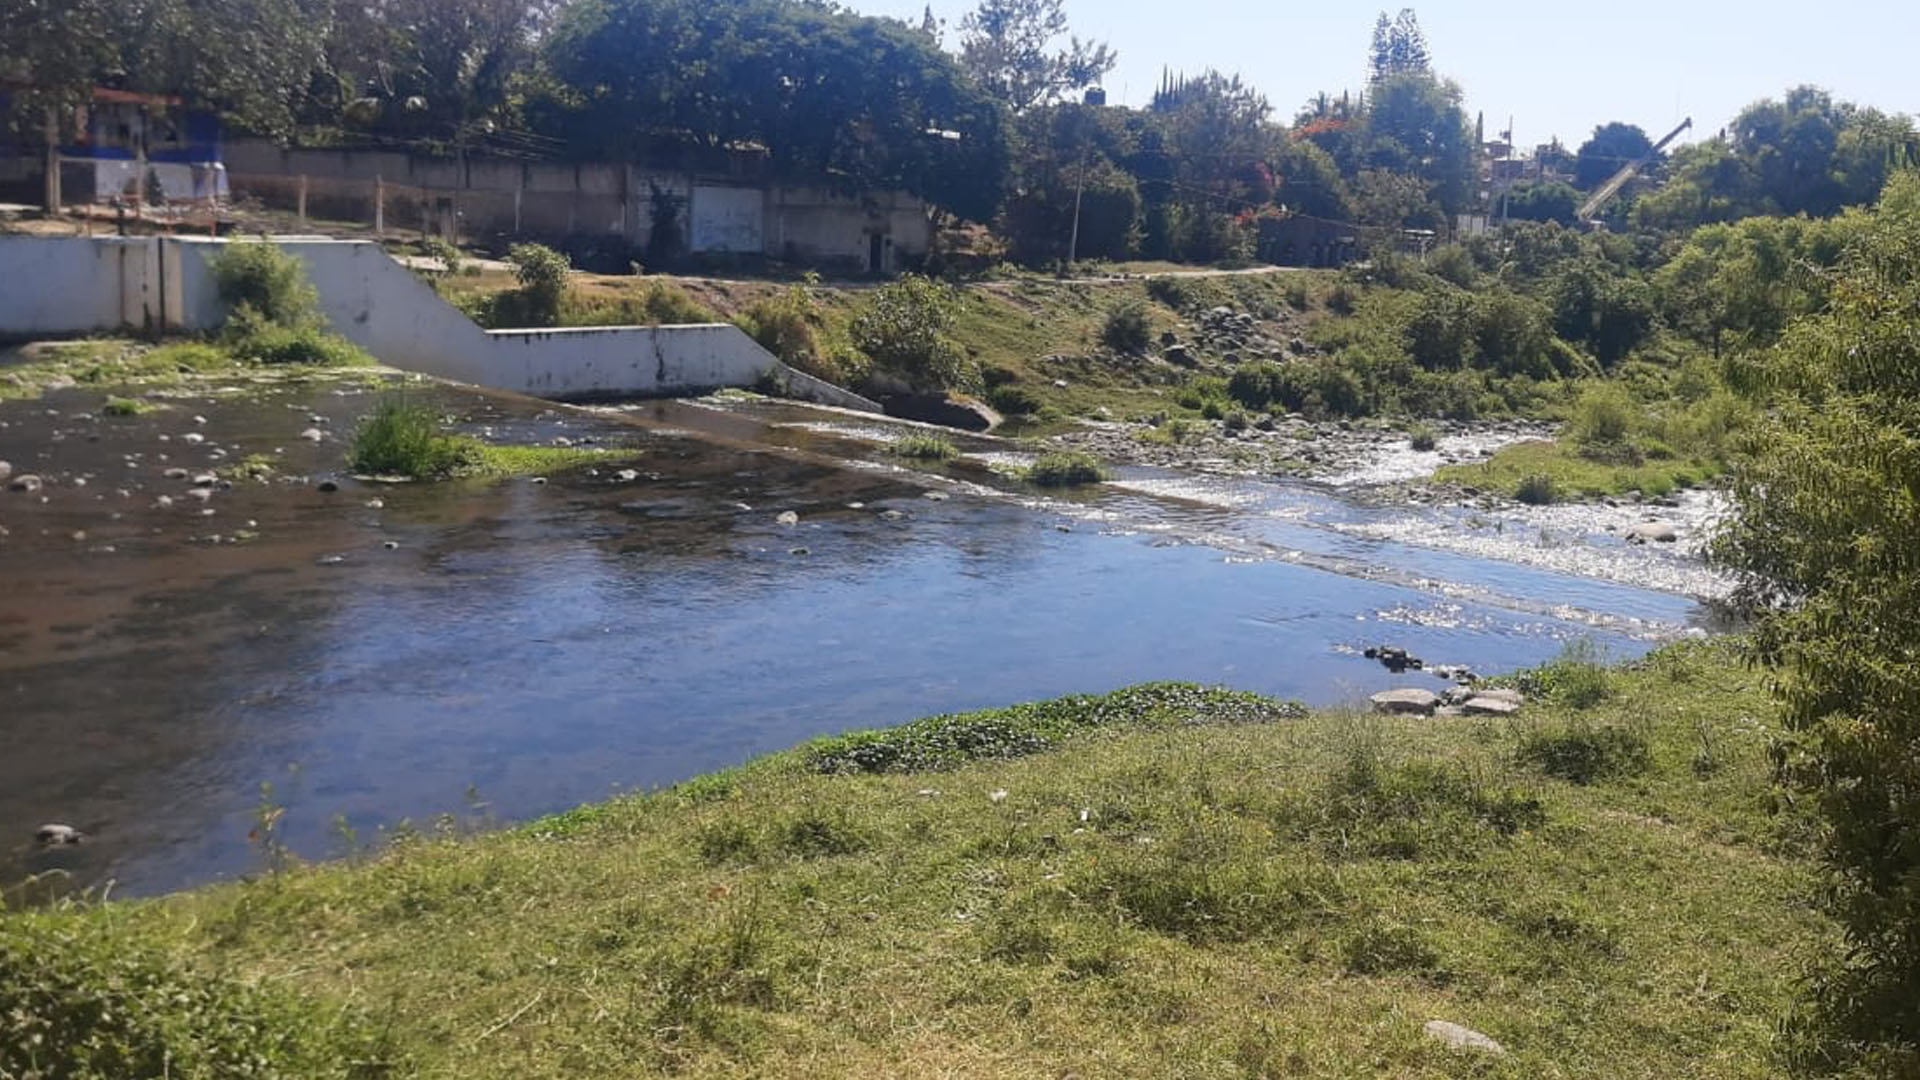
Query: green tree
[1007, 46]
[1612, 147]
[1399, 47]
[1543, 202]
[1415, 126]
[1826, 537]
[904, 327]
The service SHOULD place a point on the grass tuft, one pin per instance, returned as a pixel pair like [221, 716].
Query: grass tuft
[926, 448]
[1067, 469]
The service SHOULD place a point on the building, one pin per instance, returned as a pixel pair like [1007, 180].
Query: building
[138, 148]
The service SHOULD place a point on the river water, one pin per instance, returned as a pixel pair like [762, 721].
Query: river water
[502, 650]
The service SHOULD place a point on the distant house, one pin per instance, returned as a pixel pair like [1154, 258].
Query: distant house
[135, 147]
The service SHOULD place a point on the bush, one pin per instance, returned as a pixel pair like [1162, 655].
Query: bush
[405, 439]
[1602, 419]
[903, 328]
[543, 275]
[119, 406]
[1067, 469]
[1576, 678]
[304, 346]
[262, 285]
[792, 327]
[1127, 329]
[1422, 438]
[1343, 298]
[1014, 400]
[87, 1003]
[926, 448]
[1537, 490]
[1585, 753]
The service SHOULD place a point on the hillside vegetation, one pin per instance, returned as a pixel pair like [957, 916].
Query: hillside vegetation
[1164, 881]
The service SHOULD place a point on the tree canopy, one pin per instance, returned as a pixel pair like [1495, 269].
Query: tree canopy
[1612, 147]
[1008, 48]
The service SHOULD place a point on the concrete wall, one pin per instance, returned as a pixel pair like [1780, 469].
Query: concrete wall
[79, 285]
[57, 285]
[729, 206]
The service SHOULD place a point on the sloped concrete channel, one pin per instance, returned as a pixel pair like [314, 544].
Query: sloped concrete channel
[500, 650]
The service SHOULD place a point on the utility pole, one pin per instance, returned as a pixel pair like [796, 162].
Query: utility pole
[1079, 188]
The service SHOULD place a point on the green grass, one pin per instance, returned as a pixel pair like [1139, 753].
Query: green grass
[1571, 474]
[926, 448]
[405, 439]
[1164, 882]
[1065, 469]
[26, 374]
[120, 406]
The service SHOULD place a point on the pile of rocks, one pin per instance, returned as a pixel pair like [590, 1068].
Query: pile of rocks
[1458, 701]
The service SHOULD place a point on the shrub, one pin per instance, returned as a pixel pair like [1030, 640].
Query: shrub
[1343, 298]
[119, 406]
[1299, 295]
[451, 260]
[1602, 419]
[1421, 437]
[401, 438]
[1537, 489]
[1014, 400]
[1577, 677]
[926, 448]
[89, 1003]
[1237, 421]
[1127, 329]
[1067, 469]
[903, 328]
[1257, 386]
[1211, 409]
[542, 273]
[304, 346]
[1584, 753]
[261, 284]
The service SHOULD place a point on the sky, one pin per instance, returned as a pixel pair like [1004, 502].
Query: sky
[1555, 69]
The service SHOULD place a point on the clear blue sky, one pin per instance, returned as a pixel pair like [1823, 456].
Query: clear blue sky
[1557, 69]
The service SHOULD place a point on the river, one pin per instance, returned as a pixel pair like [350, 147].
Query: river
[497, 651]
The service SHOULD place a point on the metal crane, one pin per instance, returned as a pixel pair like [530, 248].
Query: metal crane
[1605, 192]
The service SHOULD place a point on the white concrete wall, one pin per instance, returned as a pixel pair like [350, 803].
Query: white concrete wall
[63, 285]
[77, 285]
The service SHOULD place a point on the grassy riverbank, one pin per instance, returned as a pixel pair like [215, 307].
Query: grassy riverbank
[1169, 882]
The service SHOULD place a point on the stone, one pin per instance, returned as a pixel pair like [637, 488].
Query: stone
[1487, 706]
[193, 438]
[391, 545]
[1502, 693]
[538, 480]
[1659, 532]
[787, 517]
[892, 515]
[1178, 354]
[6, 469]
[200, 493]
[376, 504]
[313, 434]
[25, 482]
[163, 501]
[57, 836]
[1409, 702]
[1462, 1038]
[205, 480]
[935, 496]
[627, 476]
[176, 473]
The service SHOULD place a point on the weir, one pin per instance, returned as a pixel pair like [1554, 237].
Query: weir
[69, 286]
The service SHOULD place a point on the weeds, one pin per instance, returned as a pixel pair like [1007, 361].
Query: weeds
[924, 447]
[1127, 329]
[1585, 753]
[1065, 469]
[119, 406]
[402, 438]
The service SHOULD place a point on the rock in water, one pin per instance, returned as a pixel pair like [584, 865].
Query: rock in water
[57, 836]
[313, 434]
[25, 482]
[1659, 532]
[787, 517]
[1463, 1038]
[1406, 702]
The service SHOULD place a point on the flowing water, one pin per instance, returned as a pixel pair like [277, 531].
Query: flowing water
[387, 653]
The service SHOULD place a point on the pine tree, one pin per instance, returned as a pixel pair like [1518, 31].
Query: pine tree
[1380, 60]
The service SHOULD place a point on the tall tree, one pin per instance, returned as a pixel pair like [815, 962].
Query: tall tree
[1399, 47]
[1612, 146]
[1007, 46]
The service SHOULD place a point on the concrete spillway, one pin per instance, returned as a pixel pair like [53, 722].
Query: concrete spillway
[64, 286]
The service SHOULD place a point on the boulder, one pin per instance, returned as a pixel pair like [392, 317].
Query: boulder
[1409, 702]
[313, 434]
[1462, 1038]
[1502, 693]
[1659, 532]
[1179, 354]
[947, 410]
[787, 517]
[57, 836]
[1489, 706]
[25, 482]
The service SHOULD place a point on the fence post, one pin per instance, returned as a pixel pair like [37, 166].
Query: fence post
[379, 208]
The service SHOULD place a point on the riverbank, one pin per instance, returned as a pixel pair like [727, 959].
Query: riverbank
[1181, 883]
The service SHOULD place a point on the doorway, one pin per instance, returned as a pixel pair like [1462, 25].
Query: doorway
[876, 253]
